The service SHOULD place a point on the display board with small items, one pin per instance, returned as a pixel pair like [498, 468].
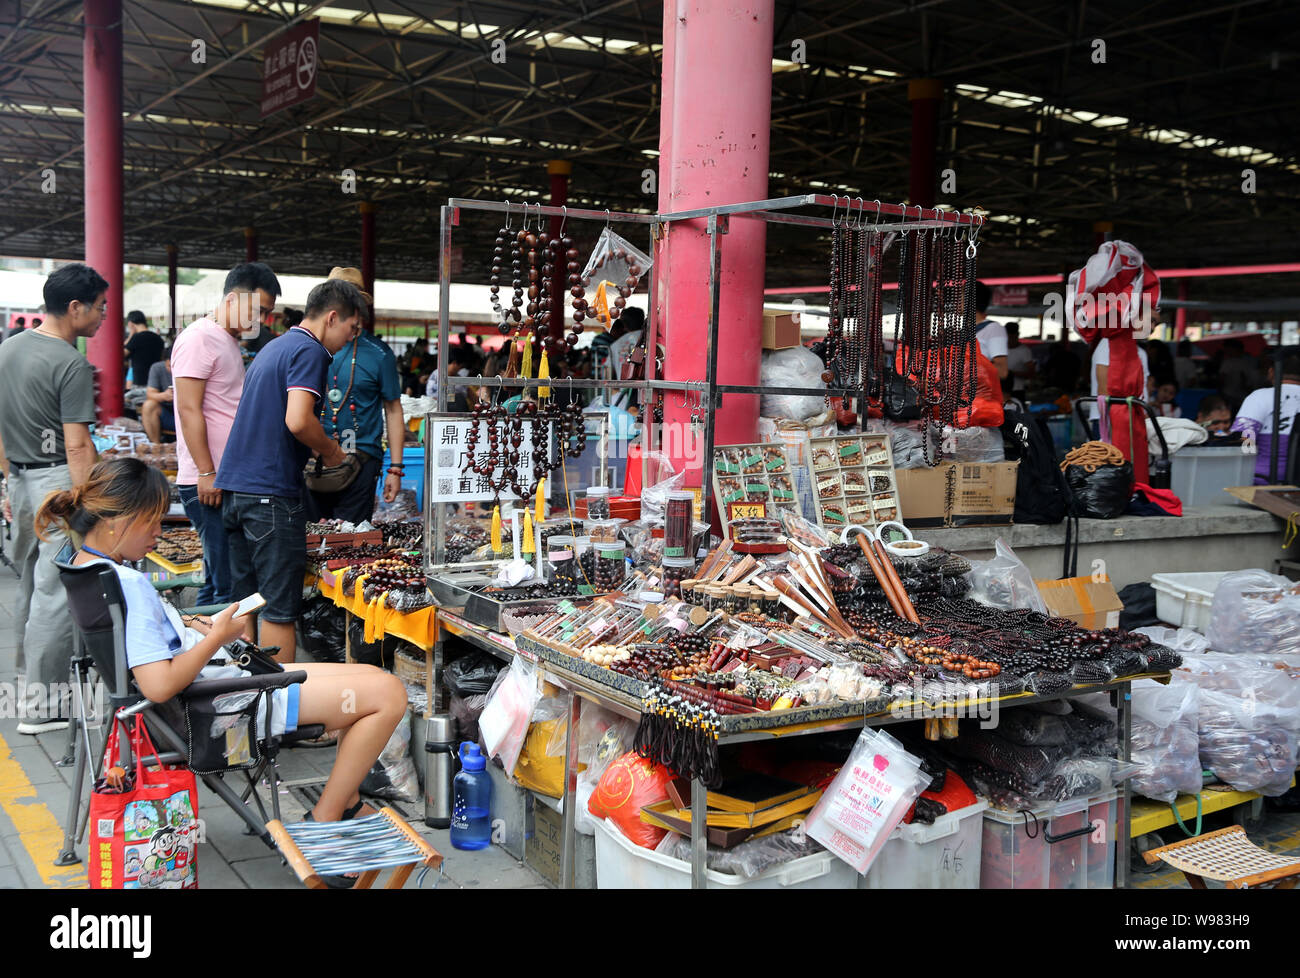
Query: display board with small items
[854, 479]
[758, 473]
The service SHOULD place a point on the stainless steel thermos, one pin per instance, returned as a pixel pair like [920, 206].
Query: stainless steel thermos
[439, 769]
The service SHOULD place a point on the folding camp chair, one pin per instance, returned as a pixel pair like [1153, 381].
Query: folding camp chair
[98, 611]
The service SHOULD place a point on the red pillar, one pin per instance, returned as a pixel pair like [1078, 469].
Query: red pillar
[368, 255]
[250, 244]
[924, 94]
[559, 171]
[714, 129]
[171, 291]
[1180, 314]
[102, 84]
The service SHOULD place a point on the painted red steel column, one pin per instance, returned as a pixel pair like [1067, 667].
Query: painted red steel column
[171, 291]
[102, 77]
[559, 171]
[924, 94]
[714, 129]
[368, 255]
[250, 244]
[1180, 314]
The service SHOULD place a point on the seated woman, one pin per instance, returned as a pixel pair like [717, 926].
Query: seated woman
[118, 513]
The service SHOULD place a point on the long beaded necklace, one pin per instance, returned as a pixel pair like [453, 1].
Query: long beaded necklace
[336, 397]
[834, 325]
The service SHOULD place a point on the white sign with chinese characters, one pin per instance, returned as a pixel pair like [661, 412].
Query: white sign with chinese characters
[452, 478]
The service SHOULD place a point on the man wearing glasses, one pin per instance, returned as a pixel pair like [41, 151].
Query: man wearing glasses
[208, 374]
[276, 429]
[47, 404]
[362, 403]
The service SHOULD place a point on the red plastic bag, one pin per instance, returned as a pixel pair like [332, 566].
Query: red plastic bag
[627, 786]
[144, 835]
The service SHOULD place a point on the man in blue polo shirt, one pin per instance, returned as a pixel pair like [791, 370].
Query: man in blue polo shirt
[276, 429]
[362, 397]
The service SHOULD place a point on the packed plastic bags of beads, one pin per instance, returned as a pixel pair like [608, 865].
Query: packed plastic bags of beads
[1244, 746]
[989, 748]
[1255, 612]
[1165, 741]
[1004, 581]
[749, 858]
[1032, 728]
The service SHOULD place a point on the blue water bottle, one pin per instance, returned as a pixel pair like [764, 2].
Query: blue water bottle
[471, 807]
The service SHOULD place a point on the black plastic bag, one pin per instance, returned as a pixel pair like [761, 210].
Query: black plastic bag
[1139, 606]
[472, 674]
[1103, 494]
[465, 712]
[368, 653]
[321, 624]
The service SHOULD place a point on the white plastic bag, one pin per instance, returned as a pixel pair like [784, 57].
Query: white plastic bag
[870, 795]
[796, 367]
[1254, 611]
[1004, 582]
[1165, 744]
[504, 723]
[1184, 641]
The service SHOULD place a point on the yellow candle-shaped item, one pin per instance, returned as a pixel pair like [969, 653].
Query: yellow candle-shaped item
[539, 508]
[496, 529]
[543, 374]
[527, 369]
[528, 542]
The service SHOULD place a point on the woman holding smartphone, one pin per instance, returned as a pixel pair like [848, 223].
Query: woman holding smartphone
[117, 514]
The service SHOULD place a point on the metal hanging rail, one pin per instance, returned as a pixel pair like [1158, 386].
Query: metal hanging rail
[871, 214]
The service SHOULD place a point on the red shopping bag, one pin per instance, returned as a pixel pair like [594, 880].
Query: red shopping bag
[143, 834]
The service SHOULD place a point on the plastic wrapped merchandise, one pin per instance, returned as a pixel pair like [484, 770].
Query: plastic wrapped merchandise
[1004, 581]
[973, 444]
[1184, 641]
[1256, 612]
[796, 367]
[873, 791]
[654, 499]
[748, 858]
[1244, 746]
[504, 721]
[322, 625]
[394, 775]
[471, 675]
[1165, 744]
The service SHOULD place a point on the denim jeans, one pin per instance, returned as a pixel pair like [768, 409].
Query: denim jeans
[216, 547]
[268, 551]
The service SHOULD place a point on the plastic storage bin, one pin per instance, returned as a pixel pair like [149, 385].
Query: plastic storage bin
[1200, 473]
[623, 865]
[942, 856]
[1184, 600]
[1069, 846]
[413, 478]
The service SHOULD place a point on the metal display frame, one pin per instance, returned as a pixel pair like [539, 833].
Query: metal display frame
[856, 210]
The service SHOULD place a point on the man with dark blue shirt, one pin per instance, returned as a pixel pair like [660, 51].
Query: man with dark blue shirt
[276, 429]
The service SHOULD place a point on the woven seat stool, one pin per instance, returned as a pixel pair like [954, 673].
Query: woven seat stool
[1228, 856]
[365, 846]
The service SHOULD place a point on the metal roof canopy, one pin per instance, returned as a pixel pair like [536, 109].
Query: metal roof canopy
[409, 97]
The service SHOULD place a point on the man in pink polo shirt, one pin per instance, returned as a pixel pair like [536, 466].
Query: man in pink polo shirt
[208, 371]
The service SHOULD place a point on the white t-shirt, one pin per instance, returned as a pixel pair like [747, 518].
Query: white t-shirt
[1258, 407]
[621, 347]
[1101, 358]
[1018, 357]
[992, 337]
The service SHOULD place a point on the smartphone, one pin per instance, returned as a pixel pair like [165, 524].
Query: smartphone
[250, 603]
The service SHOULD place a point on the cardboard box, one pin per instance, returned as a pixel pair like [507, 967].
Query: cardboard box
[1087, 602]
[545, 847]
[780, 331]
[958, 494]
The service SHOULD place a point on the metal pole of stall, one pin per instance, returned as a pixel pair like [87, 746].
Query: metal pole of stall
[1276, 441]
[448, 216]
[716, 226]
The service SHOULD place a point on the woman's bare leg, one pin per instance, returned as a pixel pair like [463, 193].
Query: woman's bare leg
[365, 704]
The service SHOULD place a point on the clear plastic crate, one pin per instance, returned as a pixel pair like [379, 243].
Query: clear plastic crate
[1068, 846]
[942, 856]
[1199, 474]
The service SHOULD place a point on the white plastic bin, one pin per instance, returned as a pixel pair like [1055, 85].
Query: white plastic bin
[624, 865]
[1199, 474]
[942, 856]
[1184, 600]
[1079, 855]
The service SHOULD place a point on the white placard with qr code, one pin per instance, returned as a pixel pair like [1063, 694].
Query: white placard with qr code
[451, 477]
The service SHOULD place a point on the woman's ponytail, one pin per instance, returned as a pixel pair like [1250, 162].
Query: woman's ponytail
[117, 487]
[58, 510]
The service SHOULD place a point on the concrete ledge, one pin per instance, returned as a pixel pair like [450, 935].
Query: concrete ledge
[1132, 548]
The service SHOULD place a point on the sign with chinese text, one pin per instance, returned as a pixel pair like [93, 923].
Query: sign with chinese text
[451, 477]
[1010, 295]
[289, 65]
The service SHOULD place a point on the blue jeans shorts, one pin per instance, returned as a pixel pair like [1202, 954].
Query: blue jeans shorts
[267, 536]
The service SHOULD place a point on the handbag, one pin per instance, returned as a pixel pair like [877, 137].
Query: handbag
[144, 826]
[332, 478]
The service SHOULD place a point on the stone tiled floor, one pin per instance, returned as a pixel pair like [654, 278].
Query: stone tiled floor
[34, 794]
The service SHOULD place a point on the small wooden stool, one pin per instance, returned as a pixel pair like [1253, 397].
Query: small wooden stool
[1229, 857]
[361, 845]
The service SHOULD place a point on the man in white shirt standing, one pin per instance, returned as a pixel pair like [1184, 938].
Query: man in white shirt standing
[991, 335]
[1020, 361]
